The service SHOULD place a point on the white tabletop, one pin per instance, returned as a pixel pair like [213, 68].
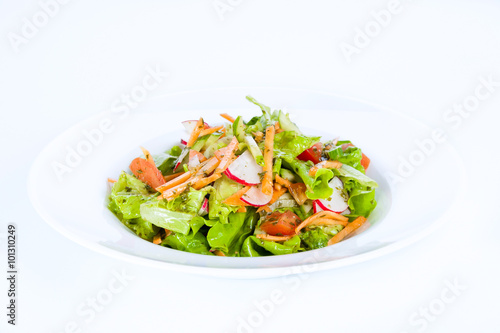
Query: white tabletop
[419, 57]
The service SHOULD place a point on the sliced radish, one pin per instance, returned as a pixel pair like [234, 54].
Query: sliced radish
[337, 203]
[255, 197]
[194, 162]
[346, 212]
[204, 208]
[245, 170]
[184, 153]
[316, 207]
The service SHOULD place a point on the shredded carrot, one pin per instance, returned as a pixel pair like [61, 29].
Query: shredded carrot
[320, 215]
[279, 131]
[205, 181]
[277, 125]
[347, 230]
[148, 156]
[277, 186]
[211, 130]
[173, 176]
[274, 238]
[258, 136]
[242, 209]
[220, 153]
[208, 166]
[264, 208]
[174, 192]
[167, 232]
[267, 180]
[219, 253]
[235, 199]
[282, 181]
[193, 153]
[325, 221]
[174, 182]
[277, 194]
[297, 190]
[111, 180]
[196, 132]
[324, 164]
[228, 156]
[157, 239]
[227, 117]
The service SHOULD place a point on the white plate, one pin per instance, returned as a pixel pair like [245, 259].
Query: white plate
[75, 203]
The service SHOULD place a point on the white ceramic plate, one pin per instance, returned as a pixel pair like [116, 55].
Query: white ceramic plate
[74, 203]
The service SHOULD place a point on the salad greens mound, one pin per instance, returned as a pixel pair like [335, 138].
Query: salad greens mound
[246, 189]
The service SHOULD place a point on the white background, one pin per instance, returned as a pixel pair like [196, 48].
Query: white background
[430, 56]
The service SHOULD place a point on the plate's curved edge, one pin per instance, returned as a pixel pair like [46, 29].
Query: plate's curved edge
[252, 273]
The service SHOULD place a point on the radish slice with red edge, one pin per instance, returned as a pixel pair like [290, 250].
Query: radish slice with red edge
[337, 202]
[245, 170]
[255, 197]
[204, 208]
[189, 125]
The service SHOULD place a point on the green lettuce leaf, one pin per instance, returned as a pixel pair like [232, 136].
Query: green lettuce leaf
[222, 189]
[139, 226]
[189, 201]
[317, 186]
[361, 190]
[255, 247]
[157, 213]
[165, 162]
[292, 143]
[351, 156]
[194, 243]
[229, 237]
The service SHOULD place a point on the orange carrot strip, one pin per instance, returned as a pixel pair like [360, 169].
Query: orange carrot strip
[210, 130]
[267, 180]
[174, 192]
[320, 215]
[274, 238]
[242, 209]
[147, 155]
[173, 176]
[324, 164]
[205, 181]
[325, 221]
[347, 230]
[220, 153]
[228, 156]
[227, 117]
[193, 153]
[282, 181]
[277, 125]
[111, 180]
[235, 199]
[279, 131]
[208, 166]
[168, 232]
[157, 239]
[265, 208]
[219, 253]
[277, 186]
[175, 181]
[196, 132]
[277, 194]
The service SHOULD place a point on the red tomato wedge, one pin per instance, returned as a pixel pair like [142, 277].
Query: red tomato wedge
[147, 172]
[312, 154]
[365, 161]
[281, 224]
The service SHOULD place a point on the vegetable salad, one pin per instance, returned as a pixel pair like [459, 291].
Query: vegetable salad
[245, 189]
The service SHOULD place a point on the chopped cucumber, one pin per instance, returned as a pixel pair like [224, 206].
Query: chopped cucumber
[255, 150]
[239, 129]
[289, 175]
